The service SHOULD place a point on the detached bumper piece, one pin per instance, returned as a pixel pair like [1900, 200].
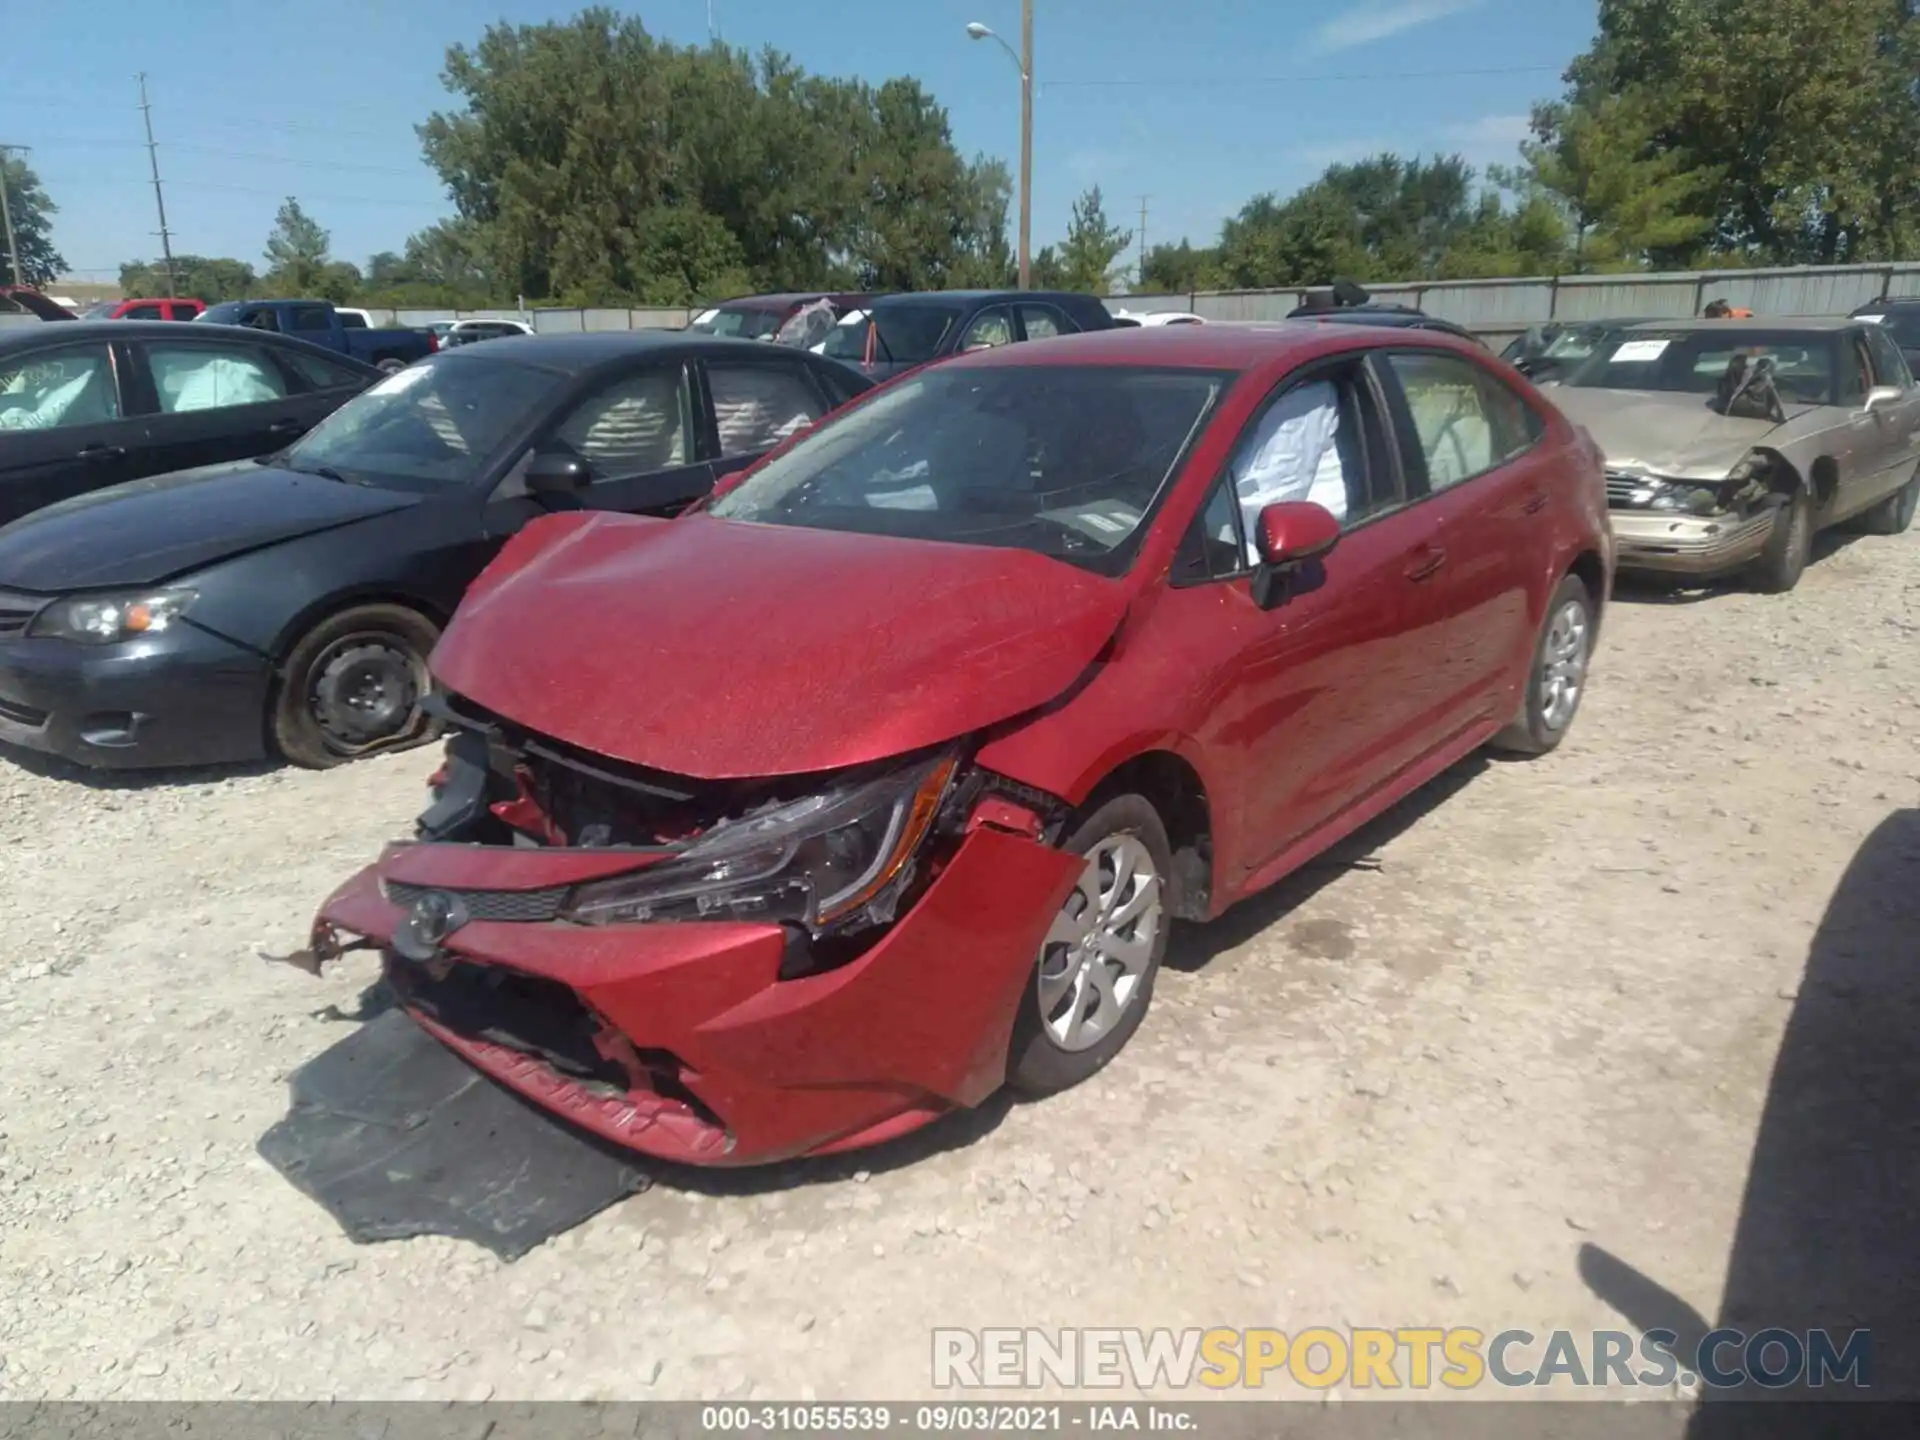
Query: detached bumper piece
[394, 1136]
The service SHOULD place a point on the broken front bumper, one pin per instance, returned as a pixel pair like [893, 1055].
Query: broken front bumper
[680, 1040]
[1694, 545]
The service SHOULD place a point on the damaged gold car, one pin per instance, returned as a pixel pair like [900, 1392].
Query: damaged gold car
[1731, 445]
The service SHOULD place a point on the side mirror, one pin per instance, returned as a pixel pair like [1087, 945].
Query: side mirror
[556, 472]
[1296, 530]
[1882, 395]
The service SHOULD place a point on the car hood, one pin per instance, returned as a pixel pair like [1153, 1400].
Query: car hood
[1657, 432]
[718, 649]
[146, 531]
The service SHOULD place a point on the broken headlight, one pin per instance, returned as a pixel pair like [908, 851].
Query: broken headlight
[1686, 497]
[817, 861]
[106, 619]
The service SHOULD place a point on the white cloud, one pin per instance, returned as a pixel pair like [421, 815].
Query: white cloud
[1372, 20]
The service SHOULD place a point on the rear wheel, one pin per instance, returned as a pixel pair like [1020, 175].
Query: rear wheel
[1894, 514]
[1789, 546]
[1557, 679]
[1093, 978]
[391, 366]
[353, 685]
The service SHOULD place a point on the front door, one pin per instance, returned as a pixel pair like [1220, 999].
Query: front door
[1899, 422]
[640, 432]
[66, 425]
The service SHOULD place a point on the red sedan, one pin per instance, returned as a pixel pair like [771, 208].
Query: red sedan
[873, 785]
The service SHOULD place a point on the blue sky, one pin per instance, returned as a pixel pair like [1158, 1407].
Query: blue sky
[1198, 105]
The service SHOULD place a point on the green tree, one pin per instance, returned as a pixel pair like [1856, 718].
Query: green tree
[298, 261]
[1174, 269]
[32, 213]
[1797, 123]
[195, 276]
[1093, 245]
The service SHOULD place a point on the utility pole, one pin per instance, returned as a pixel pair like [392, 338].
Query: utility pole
[1026, 144]
[1140, 279]
[159, 200]
[6, 213]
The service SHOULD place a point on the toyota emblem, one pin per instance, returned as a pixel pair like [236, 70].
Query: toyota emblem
[432, 918]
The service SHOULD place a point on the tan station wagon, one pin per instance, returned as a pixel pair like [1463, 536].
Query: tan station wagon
[1730, 444]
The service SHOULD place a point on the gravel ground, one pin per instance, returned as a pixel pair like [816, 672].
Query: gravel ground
[1541, 1010]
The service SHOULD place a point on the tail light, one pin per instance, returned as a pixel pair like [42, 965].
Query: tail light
[433, 343]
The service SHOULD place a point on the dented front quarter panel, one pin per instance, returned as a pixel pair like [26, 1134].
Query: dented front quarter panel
[720, 649]
[918, 1025]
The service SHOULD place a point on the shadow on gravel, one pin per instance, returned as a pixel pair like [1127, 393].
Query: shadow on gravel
[1829, 1230]
[1192, 947]
[52, 767]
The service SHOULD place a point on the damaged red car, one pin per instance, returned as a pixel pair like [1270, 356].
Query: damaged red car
[874, 784]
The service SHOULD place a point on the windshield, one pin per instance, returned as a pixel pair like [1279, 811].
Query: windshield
[740, 324]
[907, 335]
[435, 423]
[103, 311]
[1693, 362]
[1065, 461]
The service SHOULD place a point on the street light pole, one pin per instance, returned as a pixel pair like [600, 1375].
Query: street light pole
[1023, 62]
[6, 213]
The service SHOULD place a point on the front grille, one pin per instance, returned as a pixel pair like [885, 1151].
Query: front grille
[1621, 489]
[17, 611]
[522, 906]
[22, 714]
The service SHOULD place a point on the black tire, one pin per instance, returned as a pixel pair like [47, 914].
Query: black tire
[1540, 725]
[1894, 514]
[323, 715]
[390, 365]
[1789, 546]
[1037, 1064]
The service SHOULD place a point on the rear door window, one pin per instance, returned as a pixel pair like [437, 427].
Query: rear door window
[307, 319]
[1042, 321]
[1466, 421]
[320, 373]
[757, 406]
[1889, 365]
[635, 425]
[143, 312]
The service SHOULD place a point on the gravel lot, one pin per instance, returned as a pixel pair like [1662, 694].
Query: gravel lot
[1540, 1011]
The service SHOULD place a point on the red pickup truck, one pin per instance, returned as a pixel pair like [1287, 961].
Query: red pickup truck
[149, 309]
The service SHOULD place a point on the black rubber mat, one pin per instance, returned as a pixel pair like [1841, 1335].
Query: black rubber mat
[396, 1136]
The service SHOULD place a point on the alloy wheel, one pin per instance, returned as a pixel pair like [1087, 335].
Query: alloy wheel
[1101, 945]
[1563, 665]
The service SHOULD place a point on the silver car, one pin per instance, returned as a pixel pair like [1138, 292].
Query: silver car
[1731, 443]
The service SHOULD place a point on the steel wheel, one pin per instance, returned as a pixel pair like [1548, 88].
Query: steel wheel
[365, 689]
[1102, 944]
[1563, 665]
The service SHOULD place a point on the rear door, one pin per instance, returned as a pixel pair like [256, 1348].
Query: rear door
[755, 404]
[1473, 447]
[69, 423]
[640, 430]
[214, 400]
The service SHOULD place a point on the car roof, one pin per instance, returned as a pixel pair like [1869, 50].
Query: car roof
[572, 354]
[974, 297]
[1811, 324]
[1216, 346]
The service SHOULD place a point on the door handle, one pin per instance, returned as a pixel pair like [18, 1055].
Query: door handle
[1426, 562]
[101, 453]
[1536, 502]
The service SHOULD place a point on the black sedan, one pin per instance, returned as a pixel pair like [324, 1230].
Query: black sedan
[287, 605]
[896, 333]
[92, 404]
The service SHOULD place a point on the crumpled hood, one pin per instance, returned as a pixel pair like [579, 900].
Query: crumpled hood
[147, 531]
[1657, 432]
[723, 650]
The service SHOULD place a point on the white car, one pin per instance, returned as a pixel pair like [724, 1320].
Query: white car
[471, 332]
[1159, 317]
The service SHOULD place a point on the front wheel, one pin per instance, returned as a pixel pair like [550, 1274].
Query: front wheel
[1093, 977]
[1894, 514]
[1557, 679]
[391, 367]
[354, 685]
[1789, 546]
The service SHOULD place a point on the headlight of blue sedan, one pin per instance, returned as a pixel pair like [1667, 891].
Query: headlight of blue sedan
[108, 619]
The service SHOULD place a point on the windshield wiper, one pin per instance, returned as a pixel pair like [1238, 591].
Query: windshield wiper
[325, 472]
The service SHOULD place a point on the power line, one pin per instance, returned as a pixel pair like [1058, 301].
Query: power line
[159, 200]
[1209, 82]
[89, 143]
